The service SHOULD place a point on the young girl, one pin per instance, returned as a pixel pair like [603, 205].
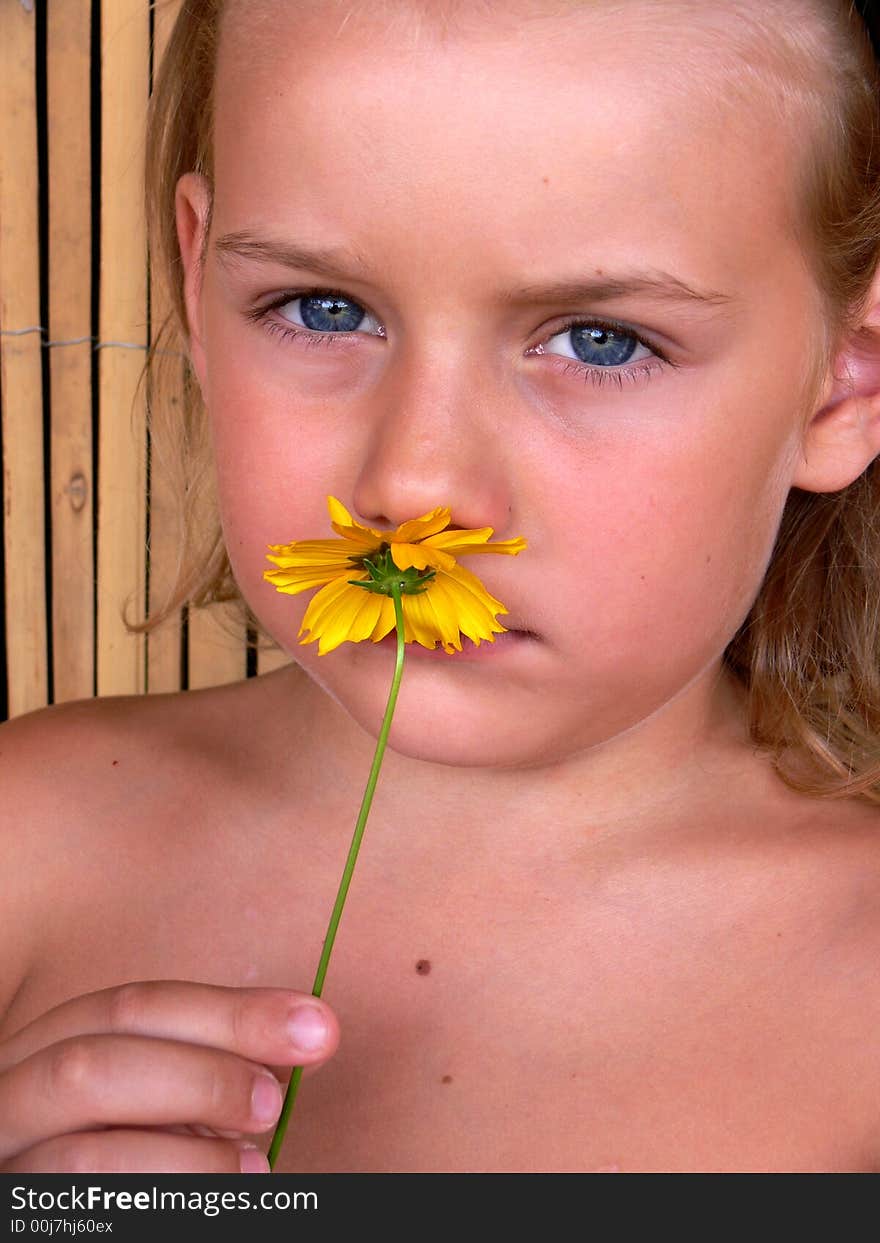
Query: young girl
[601, 275]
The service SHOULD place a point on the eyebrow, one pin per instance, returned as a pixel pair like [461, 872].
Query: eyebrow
[329, 261]
[336, 263]
[657, 285]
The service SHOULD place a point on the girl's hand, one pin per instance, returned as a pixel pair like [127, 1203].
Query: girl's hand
[160, 1076]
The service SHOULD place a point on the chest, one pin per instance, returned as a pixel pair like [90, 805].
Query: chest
[560, 1056]
[524, 1032]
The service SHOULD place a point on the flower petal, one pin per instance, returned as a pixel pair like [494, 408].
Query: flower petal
[444, 539]
[421, 556]
[337, 613]
[311, 550]
[291, 582]
[446, 621]
[343, 524]
[419, 528]
[418, 612]
[474, 607]
[466, 543]
[387, 620]
[357, 617]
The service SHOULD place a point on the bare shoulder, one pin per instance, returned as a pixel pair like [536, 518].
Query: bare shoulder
[825, 869]
[843, 949]
[68, 761]
[95, 791]
[844, 847]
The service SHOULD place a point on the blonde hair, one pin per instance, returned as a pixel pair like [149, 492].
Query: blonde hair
[808, 654]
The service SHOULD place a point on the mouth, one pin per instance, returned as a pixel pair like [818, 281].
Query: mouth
[508, 643]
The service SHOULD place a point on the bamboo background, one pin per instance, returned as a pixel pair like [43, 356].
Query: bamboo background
[88, 518]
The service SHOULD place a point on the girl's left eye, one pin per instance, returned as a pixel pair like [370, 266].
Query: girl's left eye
[314, 315]
[602, 347]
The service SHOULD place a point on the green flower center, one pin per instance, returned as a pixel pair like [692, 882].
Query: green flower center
[383, 573]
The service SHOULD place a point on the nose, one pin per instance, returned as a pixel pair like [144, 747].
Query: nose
[435, 436]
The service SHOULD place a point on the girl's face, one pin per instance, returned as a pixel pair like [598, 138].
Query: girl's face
[568, 304]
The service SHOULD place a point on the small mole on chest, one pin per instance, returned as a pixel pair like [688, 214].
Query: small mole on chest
[423, 967]
[446, 1079]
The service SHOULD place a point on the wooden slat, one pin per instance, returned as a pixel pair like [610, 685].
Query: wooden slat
[215, 655]
[20, 365]
[70, 278]
[164, 643]
[123, 319]
[269, 658]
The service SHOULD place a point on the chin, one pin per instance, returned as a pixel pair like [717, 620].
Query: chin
[445, 727]
[454, 750]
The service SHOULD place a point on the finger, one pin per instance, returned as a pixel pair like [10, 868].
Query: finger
[272, 1025]
[118, 1081]
[133, 1152]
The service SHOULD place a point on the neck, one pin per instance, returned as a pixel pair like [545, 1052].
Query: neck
[684, 755]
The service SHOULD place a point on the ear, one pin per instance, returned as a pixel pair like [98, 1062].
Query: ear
[843, 436]
[192, 209]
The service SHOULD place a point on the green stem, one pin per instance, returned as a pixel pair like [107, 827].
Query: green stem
[348, 870]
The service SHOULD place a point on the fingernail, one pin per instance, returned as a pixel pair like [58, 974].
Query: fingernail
[265, 1099]
[307, 1028]
[252, 1161]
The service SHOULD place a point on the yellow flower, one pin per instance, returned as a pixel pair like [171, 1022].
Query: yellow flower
[441, 599]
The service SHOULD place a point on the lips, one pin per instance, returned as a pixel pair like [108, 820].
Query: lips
[512, 639]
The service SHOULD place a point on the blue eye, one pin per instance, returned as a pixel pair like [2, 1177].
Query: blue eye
[603, 346]
[328, 312]
[600, 345]
[315, 316]
[601, 350]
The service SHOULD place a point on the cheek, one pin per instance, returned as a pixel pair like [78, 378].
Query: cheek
[669, 549]
[265, 497]
[272, 478]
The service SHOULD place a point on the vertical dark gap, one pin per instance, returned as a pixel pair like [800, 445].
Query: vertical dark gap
[43, 227]
[251, 665]
[148, 447]
[4, 681]
[184, 648]
[95, 131]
